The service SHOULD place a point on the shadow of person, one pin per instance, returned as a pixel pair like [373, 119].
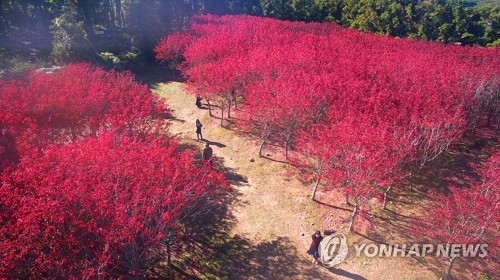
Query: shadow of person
[174, 118]
[230, 174]
[217, 144]
[346, 274]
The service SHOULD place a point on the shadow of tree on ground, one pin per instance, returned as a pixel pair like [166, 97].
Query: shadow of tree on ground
[212, 252]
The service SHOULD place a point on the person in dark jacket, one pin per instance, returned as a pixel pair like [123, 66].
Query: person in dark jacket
[314, 248]
[207, 153]
[198, 130]
[198, 102]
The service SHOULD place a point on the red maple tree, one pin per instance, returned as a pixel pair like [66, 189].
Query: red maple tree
[91, 185]
[361, 110]
[467, 215]
[72, 103]
[100, 207]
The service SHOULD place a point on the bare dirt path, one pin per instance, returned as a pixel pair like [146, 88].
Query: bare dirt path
[272, 220]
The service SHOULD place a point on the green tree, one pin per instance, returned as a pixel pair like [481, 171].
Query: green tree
[71, 42]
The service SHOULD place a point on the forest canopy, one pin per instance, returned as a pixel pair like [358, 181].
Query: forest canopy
[119, 33]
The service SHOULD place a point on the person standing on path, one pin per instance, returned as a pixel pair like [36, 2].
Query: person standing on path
[198, 102]
[198, 130]
[313, 249]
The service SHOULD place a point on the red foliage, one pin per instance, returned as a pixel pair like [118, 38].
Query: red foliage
[289, 72]
[100, 207]
[90, 184]
[468, 215]
[74, 102]
[359, 107]
[8, 149]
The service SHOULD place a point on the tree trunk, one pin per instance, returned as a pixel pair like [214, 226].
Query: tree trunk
[88, 15]
[262, 144]
[411, 179]
[221, 114]
[2, 26]
[112, 12]
[447, 276]
[315, 189]
[234, 100]
[347, 200]
[353, 216]
[385, 197]
[209, 108]
[169, 255]
[229, 109]
[287, 145]
[119, 13]
[286, 150]
[39, 18]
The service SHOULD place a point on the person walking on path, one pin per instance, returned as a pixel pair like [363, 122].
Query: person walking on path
[313, 249]
[198, 130]
[207, 153]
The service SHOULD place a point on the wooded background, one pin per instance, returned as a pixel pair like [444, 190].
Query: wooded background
[121, 33]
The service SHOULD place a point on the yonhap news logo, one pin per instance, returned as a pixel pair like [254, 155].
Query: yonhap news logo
[421, 250]
[333, 250]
